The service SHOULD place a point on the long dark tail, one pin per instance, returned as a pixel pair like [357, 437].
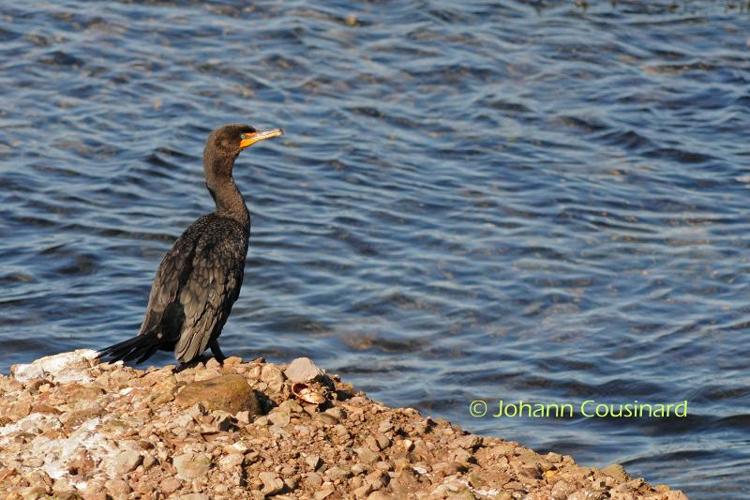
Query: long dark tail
[141, 347]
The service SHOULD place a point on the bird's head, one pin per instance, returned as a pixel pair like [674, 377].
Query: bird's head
[226, 142]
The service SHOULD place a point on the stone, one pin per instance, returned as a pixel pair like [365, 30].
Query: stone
[365, 490]
[324, 492]
[75, 392]
[383, 441]
[314, 480]
[279, 418]
[336, 473]
[313, 461]
[366, 455]
[230, 461]
[379, 495]
[230, 393]
[117, 488]
[272, 484]
[616, 471]
[169, 485]
[149, 461]
[302, 370]
[74, 419]
[232, 361]
[126, 461]
[273, 377]
[377, 480]
[358, 469]
[191, 466]
[63, 367]
[113, 438]
[336, 414]
[290, 406]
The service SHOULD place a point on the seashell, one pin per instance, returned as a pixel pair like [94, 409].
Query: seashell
[308, 394]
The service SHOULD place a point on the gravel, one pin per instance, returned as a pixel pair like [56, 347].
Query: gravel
[71, 427]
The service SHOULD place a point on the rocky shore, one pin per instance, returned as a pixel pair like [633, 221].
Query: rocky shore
[71, 427]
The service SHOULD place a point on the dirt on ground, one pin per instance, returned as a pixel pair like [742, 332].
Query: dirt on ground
[71, 427]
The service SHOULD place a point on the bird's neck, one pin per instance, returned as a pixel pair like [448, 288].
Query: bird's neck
[229, 200]
[220, 183]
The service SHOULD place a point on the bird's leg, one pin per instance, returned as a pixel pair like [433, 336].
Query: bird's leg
[214, 345]
[190, 364]
[182, 366]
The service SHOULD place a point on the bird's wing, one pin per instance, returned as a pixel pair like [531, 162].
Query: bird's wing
[214, 284]
[173, 272]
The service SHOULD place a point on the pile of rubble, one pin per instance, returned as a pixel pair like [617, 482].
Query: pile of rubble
[76, 428]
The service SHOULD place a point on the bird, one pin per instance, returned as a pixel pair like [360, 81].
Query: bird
[200, 278]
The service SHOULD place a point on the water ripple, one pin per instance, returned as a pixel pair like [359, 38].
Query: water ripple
[531, 201]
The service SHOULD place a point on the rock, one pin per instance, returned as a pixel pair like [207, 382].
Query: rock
[74, 419]
[379, 495]
[117, 488]
[469, 442]
[616, 471]
[313, 461]
[272, 484]
[385, 426]
[118, 436]
[334, 415]
[273, 377]
[383, 441]
[358, 469]
[562, 490]
[279, 418]
[126, 461]
[302, 370]
[149, 461]
[18, 410]
[232, 361]
[169, 485]
[336, 473]
[366, 455]
[365, 490]
[377, 480]
[41, 478]
[230, 461]
[75, 393]
[61, 368]
[164, 393]
[314, 480]
[230, 393]
[224, 423]
[324, 492]
[191, 466]
[290, 406]
[408, 444]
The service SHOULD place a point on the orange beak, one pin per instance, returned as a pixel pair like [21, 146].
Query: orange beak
[249, 139]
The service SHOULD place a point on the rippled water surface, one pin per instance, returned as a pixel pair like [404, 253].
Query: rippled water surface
[538, 201]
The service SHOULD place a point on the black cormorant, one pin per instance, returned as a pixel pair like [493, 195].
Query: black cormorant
[200, 277]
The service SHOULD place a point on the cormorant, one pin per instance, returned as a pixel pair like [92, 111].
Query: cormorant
[200, 277]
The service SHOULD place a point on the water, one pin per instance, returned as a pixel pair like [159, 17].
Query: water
[539, 201]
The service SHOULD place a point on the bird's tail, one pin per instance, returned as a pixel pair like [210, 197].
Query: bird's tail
[141, 347]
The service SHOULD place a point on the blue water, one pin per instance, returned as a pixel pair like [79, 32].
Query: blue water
[539, 201]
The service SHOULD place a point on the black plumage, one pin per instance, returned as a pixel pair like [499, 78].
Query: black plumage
[200, 278]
